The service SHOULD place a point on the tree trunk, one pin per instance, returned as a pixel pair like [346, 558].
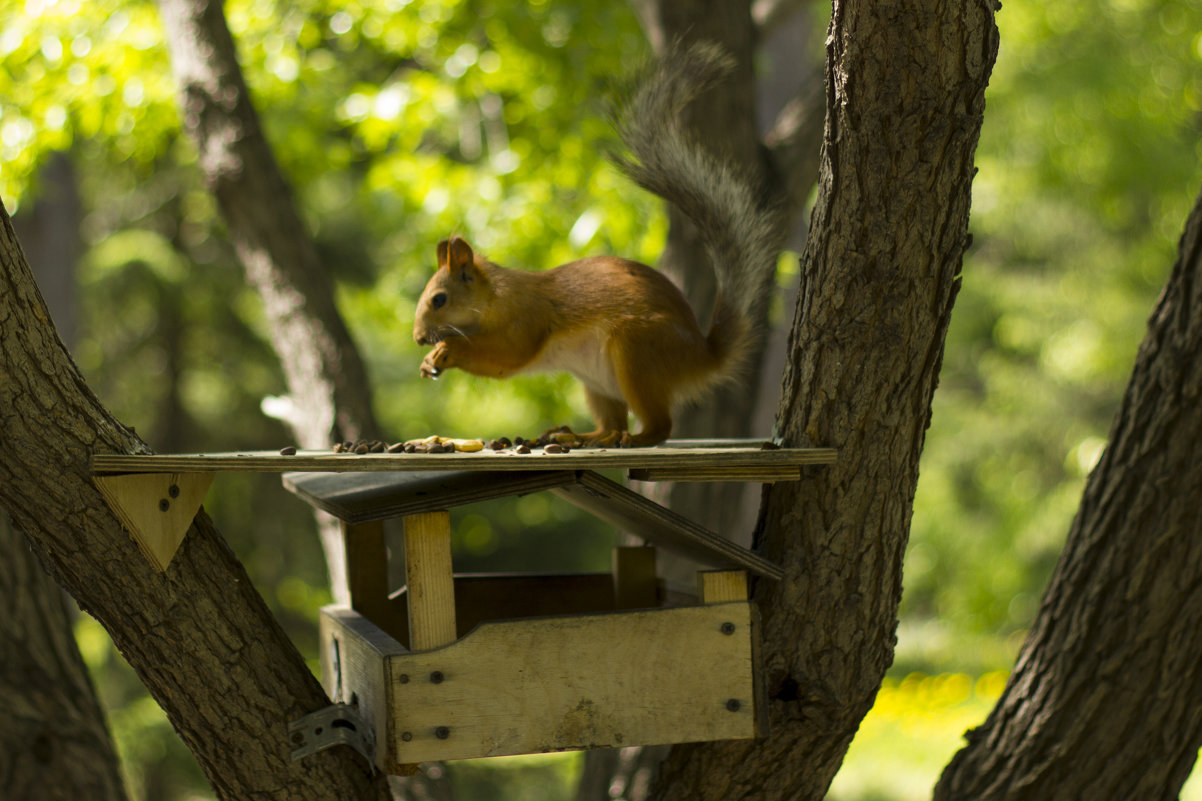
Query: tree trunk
[880, 272]
[49, 228]
[54, 743]
[199, 637]
[1105, 701]
[327, 381]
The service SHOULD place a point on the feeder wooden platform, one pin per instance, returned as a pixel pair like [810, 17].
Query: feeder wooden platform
[701, 460]
[459, 666]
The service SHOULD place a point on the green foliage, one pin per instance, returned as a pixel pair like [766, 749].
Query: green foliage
[1087, 171]
[536, 777]
[912, 731]
[76, 71]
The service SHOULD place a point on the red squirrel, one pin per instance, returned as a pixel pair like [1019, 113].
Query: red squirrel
[623, 329]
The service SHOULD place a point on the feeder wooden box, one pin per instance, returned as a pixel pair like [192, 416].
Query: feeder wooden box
[462, 666]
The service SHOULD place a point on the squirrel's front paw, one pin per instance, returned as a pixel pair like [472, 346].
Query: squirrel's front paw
[436, 361]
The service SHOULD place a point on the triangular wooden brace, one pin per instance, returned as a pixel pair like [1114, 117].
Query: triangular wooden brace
[156, 508]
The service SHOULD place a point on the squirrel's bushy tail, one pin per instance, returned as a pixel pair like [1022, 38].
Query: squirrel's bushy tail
[741, 232]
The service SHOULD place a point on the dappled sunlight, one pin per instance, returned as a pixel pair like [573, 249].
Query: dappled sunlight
[915, 727]
[400, 122]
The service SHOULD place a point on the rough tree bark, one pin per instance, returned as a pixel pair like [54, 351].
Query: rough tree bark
[880, 272]
[327, 381]
[198, 636]
[53, 744]
[1105, 700]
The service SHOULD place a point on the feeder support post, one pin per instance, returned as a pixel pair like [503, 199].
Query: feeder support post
[429, 575]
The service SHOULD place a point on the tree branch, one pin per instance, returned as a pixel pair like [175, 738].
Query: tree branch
[326, 377]
[199, 637]
[327, 381]
[770, 13]
[1113, 661]
[795, 140]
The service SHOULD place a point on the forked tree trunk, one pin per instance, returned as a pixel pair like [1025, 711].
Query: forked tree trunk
[881, 268]
[1105, 701]
[198, 636]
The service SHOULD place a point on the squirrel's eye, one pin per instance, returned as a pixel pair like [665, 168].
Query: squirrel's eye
[438, 301]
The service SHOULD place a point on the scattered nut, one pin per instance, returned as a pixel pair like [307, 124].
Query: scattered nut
[523, 448]
[362, 448]
[553, 447]
[396, 447]
[290, 450]
[376, 447]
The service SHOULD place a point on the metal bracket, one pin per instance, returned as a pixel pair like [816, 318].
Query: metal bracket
[336, 724]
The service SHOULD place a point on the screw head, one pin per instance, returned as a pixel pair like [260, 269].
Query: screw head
[442, 732]
[733, 705]
[727, 628]
[164, 505]
[173, 490]
[436, 677]
[406, 736]
[403, 678]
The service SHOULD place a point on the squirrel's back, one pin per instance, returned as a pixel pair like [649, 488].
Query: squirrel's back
[605, 302]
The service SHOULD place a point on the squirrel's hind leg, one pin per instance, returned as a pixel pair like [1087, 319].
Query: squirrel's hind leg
[611, 416]
[651, 404]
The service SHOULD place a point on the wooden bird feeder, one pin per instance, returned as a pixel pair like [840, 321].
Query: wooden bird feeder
[462, 666]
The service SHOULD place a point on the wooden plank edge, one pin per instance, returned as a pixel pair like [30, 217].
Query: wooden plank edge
[611, 502]
[353, 511]
[768, 474]
[329, 462]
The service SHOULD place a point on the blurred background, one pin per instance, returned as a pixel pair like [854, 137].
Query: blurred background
[401, 121]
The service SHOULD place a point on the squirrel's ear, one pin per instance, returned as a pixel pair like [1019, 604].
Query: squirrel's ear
[444, 248]
[460, 260]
